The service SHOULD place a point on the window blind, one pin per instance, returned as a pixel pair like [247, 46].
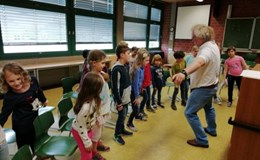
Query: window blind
[56, 2]
[135, 10]
[31, 30]
[156, 14]
[104, 6]
[135, 33]
[154, 36]
[92, 31]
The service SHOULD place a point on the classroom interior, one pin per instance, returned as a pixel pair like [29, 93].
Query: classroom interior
[165, 133]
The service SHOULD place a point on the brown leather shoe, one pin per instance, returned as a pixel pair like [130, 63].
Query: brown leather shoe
[193, 142]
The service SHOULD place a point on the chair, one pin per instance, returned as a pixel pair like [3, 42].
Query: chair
[166, 75]
[50, 146]
[169, 84]
[67, 85]
[9, 135]
[45, 109]
[23, 153]
[64, 106]
[250, 59]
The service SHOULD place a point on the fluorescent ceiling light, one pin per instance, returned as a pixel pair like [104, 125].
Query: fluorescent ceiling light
[199, 0]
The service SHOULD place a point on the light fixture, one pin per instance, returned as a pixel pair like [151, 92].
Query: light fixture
[199, 0]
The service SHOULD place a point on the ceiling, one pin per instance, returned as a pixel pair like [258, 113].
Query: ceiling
[174, 1]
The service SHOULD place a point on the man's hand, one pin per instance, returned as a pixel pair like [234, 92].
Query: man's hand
[178, 78]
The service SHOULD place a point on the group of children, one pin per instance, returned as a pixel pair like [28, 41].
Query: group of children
[131, 77]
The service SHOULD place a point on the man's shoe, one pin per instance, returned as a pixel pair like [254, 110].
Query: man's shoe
[194, 143]
[174, 107]
[119, 140]
[126, 133]
[213, 135]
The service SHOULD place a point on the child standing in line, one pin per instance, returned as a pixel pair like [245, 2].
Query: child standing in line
[121, 89]
[146, 93]
[157, 79]
[137, 76]
[189, 59]
[87, 110]
[179, 65]
[233, 67]
[96, 61]
[22, 97]
[133, 56]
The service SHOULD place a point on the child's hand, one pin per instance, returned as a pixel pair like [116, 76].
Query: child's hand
[119, 107]
[45, 103]
[136, 101]
[155, 89]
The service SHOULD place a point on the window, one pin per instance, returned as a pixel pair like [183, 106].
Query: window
[156, 14]
[135, 34]
[93, 33]
[137, 24]
[31, 30]
[135, 10]
[154, 41]
[104, 6]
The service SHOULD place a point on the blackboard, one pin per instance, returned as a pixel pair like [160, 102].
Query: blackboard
[256, 36]
[238, 32]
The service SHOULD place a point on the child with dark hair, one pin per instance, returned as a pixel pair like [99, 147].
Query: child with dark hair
[133, 55]
[121, 89]
[233, 67]
[177, 67]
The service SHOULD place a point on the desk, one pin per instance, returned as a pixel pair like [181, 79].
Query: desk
[48, 64]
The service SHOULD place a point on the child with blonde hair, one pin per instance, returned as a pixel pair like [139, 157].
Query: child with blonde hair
[137, 76]
[157, 79]
[22, 97]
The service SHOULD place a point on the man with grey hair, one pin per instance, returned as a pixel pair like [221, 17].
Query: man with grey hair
[204, 73]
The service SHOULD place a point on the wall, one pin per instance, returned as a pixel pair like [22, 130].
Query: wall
[240, 8]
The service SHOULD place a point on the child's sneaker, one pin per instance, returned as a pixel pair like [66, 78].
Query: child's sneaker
[150, 109]
[174, 107]
[154, 106]
[217, 101]
[97, 156]
[126, 133]
[119, 140]
[161, 105]
[132, 127]
[229, 104]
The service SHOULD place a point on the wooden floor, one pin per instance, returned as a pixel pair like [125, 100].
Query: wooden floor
[164, 135]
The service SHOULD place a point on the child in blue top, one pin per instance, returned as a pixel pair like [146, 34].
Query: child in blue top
[157, 79]
[137, 76]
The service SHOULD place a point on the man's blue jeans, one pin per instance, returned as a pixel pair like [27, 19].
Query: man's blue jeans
[201, 98]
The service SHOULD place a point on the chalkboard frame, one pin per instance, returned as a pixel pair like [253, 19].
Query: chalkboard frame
[256, 35]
